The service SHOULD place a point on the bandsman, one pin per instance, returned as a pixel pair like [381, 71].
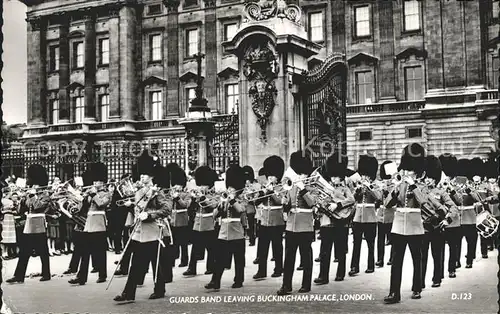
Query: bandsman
[385, 216]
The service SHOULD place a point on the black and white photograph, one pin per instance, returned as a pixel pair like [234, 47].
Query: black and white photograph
[250, 156]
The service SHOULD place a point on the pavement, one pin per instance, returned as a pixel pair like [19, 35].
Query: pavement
[472, 291]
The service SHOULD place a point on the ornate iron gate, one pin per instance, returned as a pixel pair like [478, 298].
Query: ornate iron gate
[225, 146]
[324, 107]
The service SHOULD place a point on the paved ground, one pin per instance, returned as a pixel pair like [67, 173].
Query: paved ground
[474, 291]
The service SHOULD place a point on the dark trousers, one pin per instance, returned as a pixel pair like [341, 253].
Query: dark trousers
[126, 257]
[95, 244]
[452, 236]
[225, 250]
[28, 243]
[383, 233]
[369, 230]
[340, 240]
[144, 254]
[267, 236]
[77, 251]
[258, 231]
[434, 239]
[181, 240]
[252, 223]
[399, 243]
[117, 226]
[301, 241]
[470, 234]
[325, 254]
[202, 241]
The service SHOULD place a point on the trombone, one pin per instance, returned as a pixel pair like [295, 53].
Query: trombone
[122, 202]
[283, 187]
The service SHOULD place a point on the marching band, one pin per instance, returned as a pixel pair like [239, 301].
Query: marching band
[425, 202]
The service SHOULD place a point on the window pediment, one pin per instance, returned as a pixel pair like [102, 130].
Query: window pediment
[154, 80]
[362, 58]
[76, 89]
[189, 76]
[420, 54]
[228, 72]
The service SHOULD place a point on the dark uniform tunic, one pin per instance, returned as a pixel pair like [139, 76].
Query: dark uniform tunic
[180, 226]
[385, 217]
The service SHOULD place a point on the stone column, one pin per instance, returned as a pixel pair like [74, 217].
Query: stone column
[128, 82]
[433, 38]
[64, 102]
[90, 66]
[386, 69]
[475, 63]
[172, 43]
[37, 56]
[210, 83]
[453, 38]
[114, 63]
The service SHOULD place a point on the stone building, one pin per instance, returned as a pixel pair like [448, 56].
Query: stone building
[417, 71]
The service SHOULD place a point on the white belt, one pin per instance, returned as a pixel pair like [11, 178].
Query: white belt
[180, 210]
[272, 207]
[204, 215]
[408, 210]
[368, 205]
[304, 210]
[35, 215]
[466, 207]
[230, 219]
[95, 212]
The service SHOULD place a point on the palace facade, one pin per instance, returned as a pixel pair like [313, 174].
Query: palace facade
[418, 71]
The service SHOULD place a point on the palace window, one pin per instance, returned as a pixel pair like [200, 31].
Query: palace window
[231, 93]
[364, 87]
[191, 94]
[414, 83]
[156, 105]
[190, 3]
[411, 11]
[230, 31]
[54, 58]
[79, 108]
[78, 55]
[362, 21]
[192, 42]
[155, 47]
[54, 107]
[155, 9]
[494, 70]
[104, 51]
[365, 135]
[104, 102]
[414, 132]
[316, 28]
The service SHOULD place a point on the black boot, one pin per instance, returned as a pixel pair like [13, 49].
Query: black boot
[392, 299]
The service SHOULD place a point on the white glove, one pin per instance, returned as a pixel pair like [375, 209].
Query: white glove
[143, 216]
[332, 207]
[443, 224]
[175, 195]
[128, 203]
[409, 181]
[300, 185]
[293, 210]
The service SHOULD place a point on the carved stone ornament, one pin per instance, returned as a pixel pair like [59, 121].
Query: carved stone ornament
[266, 9]
[261, 69]
[172, 5]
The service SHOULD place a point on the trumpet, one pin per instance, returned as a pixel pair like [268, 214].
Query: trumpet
[125, 200]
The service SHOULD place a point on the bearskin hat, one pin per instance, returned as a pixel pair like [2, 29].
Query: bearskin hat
[433, 168]
[262, 172]
[205, 176]
[161, 177]
[248, 173]
[99, 172]
[177, 176]
[336, 165]
[87, 177]
[146, 164]
[383, 174]
[235, 177]
[477, 167]
[464, 168]
[413, 159]
[491, 167]
[449, 164]
[368, 166]
[37, 175]
[300, 163]
[273, 166]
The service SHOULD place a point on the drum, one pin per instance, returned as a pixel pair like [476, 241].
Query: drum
[486, 224]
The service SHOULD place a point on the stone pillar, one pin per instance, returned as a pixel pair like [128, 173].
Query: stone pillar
[173, 95]
[210, 82]
[90, 66]
[37, 56]
[128, 82]
[64, 101]
[338, 26]
[386, 65]
[114, 63]
[453, 30]
[473, 44]
[433, 38]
